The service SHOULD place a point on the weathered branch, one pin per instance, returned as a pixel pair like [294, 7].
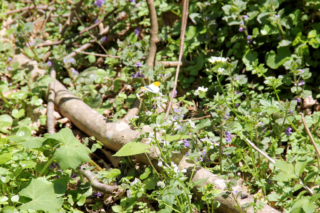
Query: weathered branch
[182, 32]
[50, 107]
[168, 64]
[116, 135]
[100, 186]
[153, 34]
[43, 7]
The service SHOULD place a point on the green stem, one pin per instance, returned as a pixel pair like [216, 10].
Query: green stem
[46, 166]
[5, 100]
[220, 149]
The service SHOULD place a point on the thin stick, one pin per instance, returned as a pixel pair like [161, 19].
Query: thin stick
[69, 21]
[260, 151]
[183, 30]
[15, 19]
[194, 119]
[96, 54]
[154, 34]
[311, 138]
[50, 107]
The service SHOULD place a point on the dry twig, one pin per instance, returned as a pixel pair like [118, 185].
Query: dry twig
[68, 23]
[50, 107]
[183, 30]
[153, 34]
[311, 138]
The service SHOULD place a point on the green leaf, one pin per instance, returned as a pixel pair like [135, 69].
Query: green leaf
[283, 176]
[27, 164]
[310, 176]
[315, 197]
[42, 196]
[312, 34]
[249, 59]
[60, 185]
[18, 95]
[285, 166]
[5, 122]
[308, 207]
[18, 113]
[71, 152]
[133, 148]
[300, 165]
[146, 173]
[113, 173]
[171, 138]
[92, 58]
[5, 157]
[203, 123]
[274, 60]
[151, 182]
[33, 142]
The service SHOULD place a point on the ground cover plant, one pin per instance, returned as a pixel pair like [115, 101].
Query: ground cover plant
[176, 94]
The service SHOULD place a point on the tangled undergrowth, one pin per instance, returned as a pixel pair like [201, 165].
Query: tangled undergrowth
[244, 108]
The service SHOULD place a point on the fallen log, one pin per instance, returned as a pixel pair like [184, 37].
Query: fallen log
[116, 135]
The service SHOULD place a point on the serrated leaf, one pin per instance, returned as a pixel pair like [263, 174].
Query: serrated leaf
[132, 148]
[274, 60]
[42, 196]
[71, 152]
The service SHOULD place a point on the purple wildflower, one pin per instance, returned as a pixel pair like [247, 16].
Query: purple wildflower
[138, 64]
[99, 3]
[30, 43]
[300, 83]
[133, 1]
[9, 68]
[291, 111]
[138, 75]
[49, 63]
[245, 16]
[237, 105]
[226, 117]
[9, 59]
[249, 37]
[186, 154]
[186, 143]
[228, 137]
[238, 173]
[96, 21]
[241, 29]
[301, 70]
[137, 31]
[207, 18]
[98, 194]
[297, 99]
[260, 123]
[103, 38]
[10, 84]
[175, 93]
[177, 110]
[74, 71]
[288, 131]
[277, 16]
